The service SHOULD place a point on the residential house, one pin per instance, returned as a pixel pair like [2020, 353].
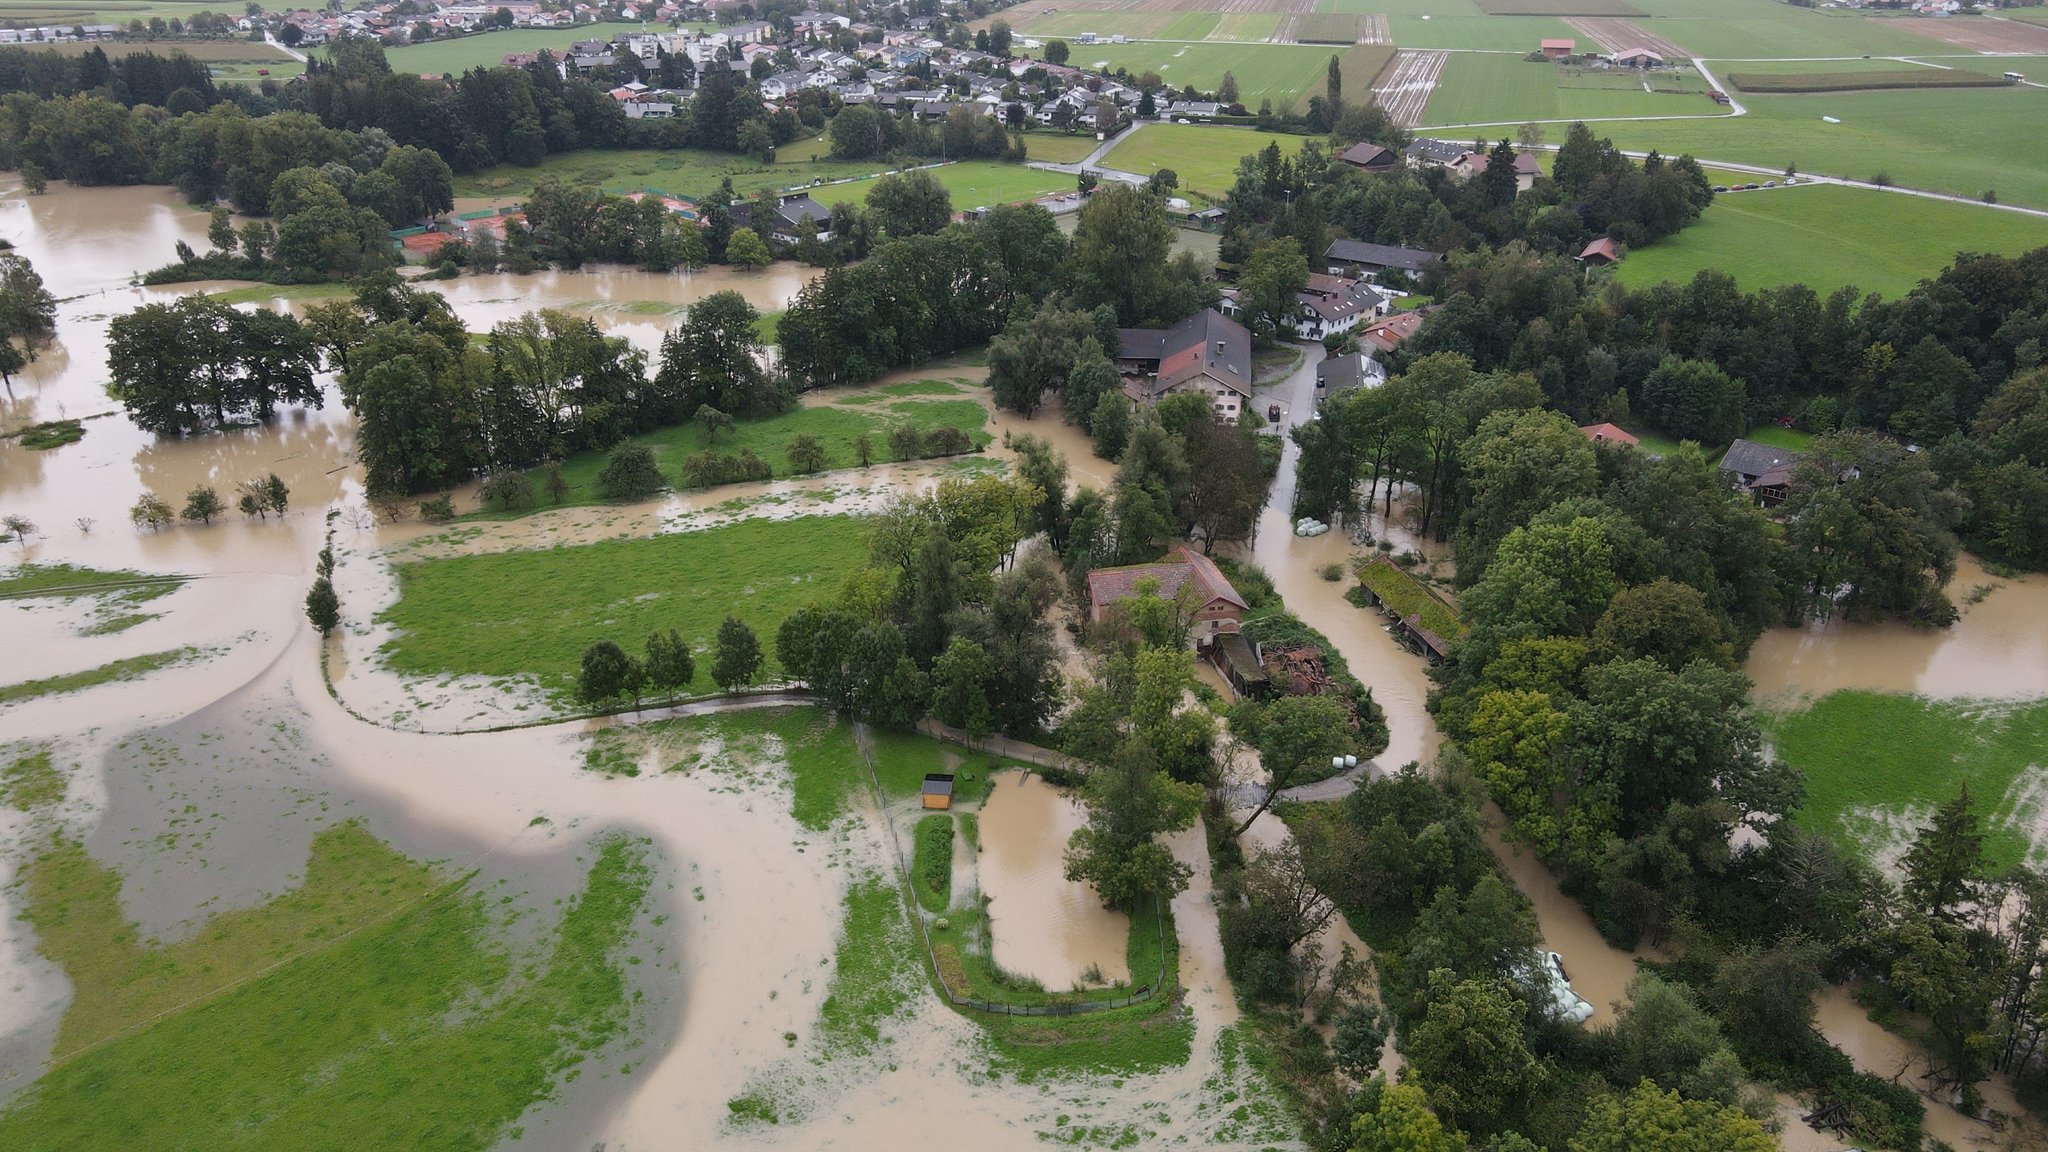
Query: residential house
[790, 212]
[1333, 305]
[1605, 250]
[1426, 153]
[1208, 354]
[1337, 375]
[1759, 469]
[1363, 261]
[1608, 434]
[1370, 157]
[1387, 332]
[1218, 609]
[1526, 168]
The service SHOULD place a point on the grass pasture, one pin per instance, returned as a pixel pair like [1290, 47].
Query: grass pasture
[1361, 65]
[1827, 236]
[1496, 89]
[1557, 8]
[1959, 141]
[489, 49]
[976, 183]
[1863, 81]
[533, 613]
[1245, 27]
[1276, 72]
[374, 1006]
[1478, 33]
[1204, 156]
[1138, 25]
[1761, 29]
[1873, 761]
[1327, 28]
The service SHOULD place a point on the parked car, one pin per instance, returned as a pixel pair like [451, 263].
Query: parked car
[1770, 183]
[1272, 411]
[1720, 187]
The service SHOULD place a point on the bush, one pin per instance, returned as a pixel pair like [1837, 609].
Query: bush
[506, 489]
[629, 473]
[438, 510]
[947, 441]
[932, 869]
[709, 469]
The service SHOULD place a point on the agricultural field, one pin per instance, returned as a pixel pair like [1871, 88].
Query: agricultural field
[37, 13]
[1827, 236]
[1204, 156]
[974, 183]
[1557, 8]
[227, 59]
[1495, 89]
[1137, 25]
[1874, 762]
[1865, 80]
[1361, 64]
[1477, 33]
[1766, 28]
[1958, 141]
[1245, 26]
[1276, 72]
[480, 614]
[1058, 148]
[488, 49]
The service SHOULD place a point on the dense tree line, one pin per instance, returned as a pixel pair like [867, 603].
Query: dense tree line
[174, 81]
[865, 132]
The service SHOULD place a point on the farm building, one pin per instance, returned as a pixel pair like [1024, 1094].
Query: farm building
[1636, 58]
[1239, 662]
[1370, 157]
[1759, 469]
[938, 790]
[1608, 434]
[1218, 609]
[1371, 261]
[1421, 621]
[1605, 250]
[1556, 49]
[1208, 353]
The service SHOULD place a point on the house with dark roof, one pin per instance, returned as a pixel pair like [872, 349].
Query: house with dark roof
[789, 213]
[1218, 609]
[1427, 153]
[1759, 469]
[1337, 375]
[1362, 261]
[1208, 353]
[1370, 157]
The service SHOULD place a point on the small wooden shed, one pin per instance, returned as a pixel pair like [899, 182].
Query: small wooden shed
[938, 790]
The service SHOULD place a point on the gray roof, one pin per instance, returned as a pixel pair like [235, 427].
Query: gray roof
[1382, 255]
[1343, 373]
[1439, 151]
[1207, 343]
[1749, 459]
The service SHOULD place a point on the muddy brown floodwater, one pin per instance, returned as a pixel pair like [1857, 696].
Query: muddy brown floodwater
[1041, 924]
[1998, 649]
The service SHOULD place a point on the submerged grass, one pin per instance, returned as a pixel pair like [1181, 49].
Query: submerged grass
[1866, 755]
[67, 580]
[533, 613]
[128, 668]
[873, 973]
[371, 1007]
[31, 780]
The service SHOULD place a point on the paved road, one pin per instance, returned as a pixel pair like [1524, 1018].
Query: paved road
[1093, 161]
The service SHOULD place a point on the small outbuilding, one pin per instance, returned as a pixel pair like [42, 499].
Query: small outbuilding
[938, 790]
[1557, 49]
[1601, 251]
[1609, 434]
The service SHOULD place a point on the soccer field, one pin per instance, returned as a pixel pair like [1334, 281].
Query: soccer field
[1826, 236]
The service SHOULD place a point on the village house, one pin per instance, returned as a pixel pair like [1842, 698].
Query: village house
[1370, 157]
[1333, 305]
[1218, 609]
[1427, 153]
[1475, 163]
[1386, 333]
[1363, 261]
[1337, 375]
[1759, 470]
[1605, 250]
[1608, 434]
[789, 214]
[1208, 354]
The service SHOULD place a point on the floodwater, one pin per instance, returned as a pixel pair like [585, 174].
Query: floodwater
[1997, 650]
[1041, 924]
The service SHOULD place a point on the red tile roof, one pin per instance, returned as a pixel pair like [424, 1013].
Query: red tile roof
[1609, 433]
[1181, 566]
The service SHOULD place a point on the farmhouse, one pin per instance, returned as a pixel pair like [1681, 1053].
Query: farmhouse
[1370, 157]
[1332, 305]
[1636, 58]
[1759, 469]
[1208, 354]
[1387, 332]
[1218, 608]
[1340, 374]
[1427, 153]
[1475, 163]
[1608, 434]
[1602, 251]
[1371, 261]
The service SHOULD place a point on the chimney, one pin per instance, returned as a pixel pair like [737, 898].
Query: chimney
[1219, 347]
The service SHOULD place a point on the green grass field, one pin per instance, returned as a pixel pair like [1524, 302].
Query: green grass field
[1493, 89]
[1059, 149]
[1276, 72]
[533, 613]
[1961, 142]
[837, 429]
[1361, 63]
[1137, 25]
[373, 1006]
[975, 183]
[1825, 236]
[489, 49]
[1485, 33]
[1861, 80]
[1246, 26]
[1204, 156]
[1867, 752]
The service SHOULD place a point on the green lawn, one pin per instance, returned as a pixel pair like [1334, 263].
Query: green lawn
[1825, 236]
[837, 429]
[974, 183]
[1204, 156]
[489, 49]
[1137, 25]
[533, 613]
[374, 1006]
[1765, 28]
[1790, 439]
[1865, 751]
[1499, 89]
[1059, 148]
[1276, 72]
[1960, 142]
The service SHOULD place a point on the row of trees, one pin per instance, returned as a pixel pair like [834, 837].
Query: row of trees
[609, 673]
[258, 498]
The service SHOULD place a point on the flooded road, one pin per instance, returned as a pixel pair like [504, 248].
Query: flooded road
[1041, 924]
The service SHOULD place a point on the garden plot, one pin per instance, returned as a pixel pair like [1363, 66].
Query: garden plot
[1622, 35]
[1981, 34]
